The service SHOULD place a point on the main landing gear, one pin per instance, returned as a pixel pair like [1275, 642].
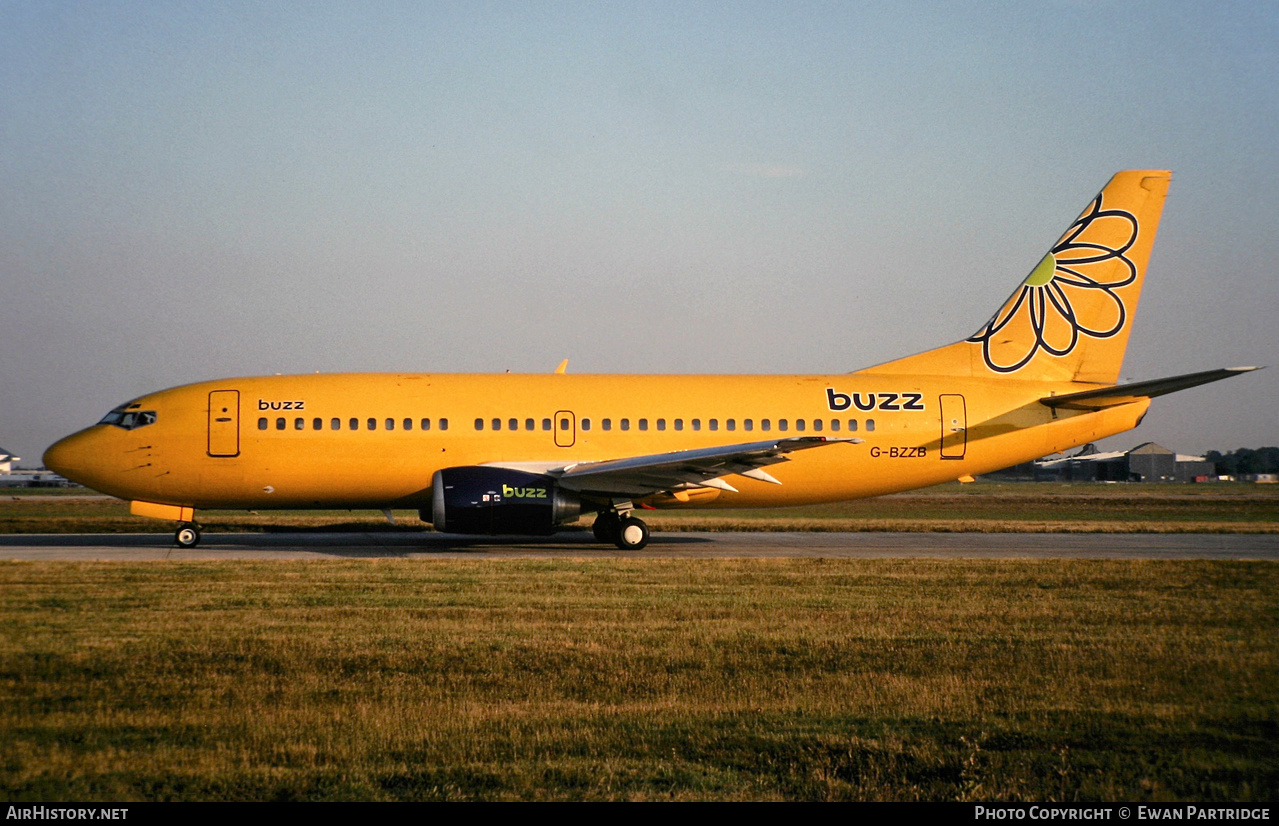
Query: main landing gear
[187, 535]
[626, 532]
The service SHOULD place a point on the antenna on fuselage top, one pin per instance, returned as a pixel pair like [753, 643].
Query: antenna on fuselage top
[563, 368]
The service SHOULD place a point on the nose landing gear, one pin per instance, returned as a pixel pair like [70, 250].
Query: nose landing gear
[187, 535]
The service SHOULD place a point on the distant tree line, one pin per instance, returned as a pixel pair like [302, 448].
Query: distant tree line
[1245, 460]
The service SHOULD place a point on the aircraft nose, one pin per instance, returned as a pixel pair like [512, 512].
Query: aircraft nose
[72, 457]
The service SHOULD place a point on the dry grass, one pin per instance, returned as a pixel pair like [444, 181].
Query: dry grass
[672, 679]
[1017, 508]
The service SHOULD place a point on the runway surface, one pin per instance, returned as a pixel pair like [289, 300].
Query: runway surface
[413, 545]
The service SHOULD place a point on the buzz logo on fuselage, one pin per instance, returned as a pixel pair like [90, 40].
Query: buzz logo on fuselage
[263, 404]
[874, 401]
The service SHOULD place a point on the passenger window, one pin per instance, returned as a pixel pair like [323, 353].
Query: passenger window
[408, 424]
[390, 424]
[679, 424]
[817, 425]
[564, 424]
[299, 423]
[479, 424]
[714, 424]
[529, 424]
[372, 423]
[661, 424]
[697, 424]
[513, 424]
[261, 423]
[799, 425]
[852, 425]
[335, 424]
[834, 424]
[765, 424]
[643, 424]
[731, 424]
[546, 424]
[870, 424]
[626, 424]
[354, 423]
[586, 424]
[426, 424]
[317, 424]
[606, 424]
[497, 424]
[279, 424]
[444, 424]
[782, 424]
[748, 424]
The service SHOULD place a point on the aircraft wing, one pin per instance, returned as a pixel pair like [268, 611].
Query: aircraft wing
[1128, 393]
[684, 469]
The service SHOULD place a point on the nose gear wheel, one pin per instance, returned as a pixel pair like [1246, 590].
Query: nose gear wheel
[187, 535]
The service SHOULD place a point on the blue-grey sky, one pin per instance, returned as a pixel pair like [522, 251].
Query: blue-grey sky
[198, 190]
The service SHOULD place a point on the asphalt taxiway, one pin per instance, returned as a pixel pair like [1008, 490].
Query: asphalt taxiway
[419, 545]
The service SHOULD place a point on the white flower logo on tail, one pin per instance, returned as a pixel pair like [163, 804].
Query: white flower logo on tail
[1071, 293]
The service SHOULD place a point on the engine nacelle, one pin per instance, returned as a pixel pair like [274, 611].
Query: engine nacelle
[491, 500]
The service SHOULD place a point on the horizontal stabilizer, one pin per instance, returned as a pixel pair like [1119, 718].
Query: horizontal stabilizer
[1137, 391]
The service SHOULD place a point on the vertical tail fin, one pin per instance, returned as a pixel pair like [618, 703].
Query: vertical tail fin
[1069, 319]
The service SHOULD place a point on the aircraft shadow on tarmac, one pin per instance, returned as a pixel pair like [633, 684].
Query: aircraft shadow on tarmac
[345, 543]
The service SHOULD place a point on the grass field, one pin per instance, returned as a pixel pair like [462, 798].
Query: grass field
[1029, 507]
[650, 680]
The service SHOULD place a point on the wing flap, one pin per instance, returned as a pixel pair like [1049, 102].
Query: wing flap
[701, 467]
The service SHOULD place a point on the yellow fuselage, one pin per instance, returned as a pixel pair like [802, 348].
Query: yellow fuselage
[288, 441]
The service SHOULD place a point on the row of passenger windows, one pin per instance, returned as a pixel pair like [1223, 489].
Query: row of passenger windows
[801, 425]
[352, 424]
[784, 425]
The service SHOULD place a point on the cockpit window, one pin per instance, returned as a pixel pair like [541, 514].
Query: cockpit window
[122, 416]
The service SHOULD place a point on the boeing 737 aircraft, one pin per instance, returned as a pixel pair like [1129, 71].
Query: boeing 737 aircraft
[526, 454]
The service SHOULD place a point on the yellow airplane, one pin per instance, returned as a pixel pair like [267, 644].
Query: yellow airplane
[525, 454]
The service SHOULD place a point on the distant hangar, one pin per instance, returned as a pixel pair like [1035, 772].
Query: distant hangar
[1147, 462]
